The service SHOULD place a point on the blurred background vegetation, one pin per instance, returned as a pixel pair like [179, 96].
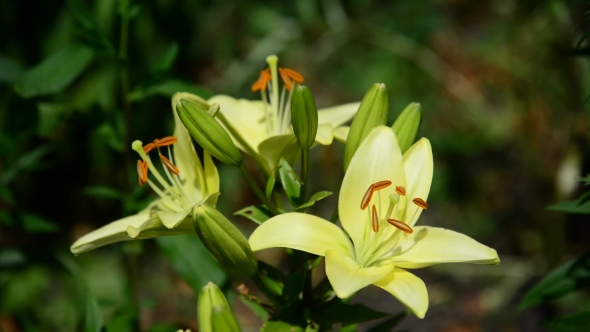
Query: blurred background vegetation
[502, 88]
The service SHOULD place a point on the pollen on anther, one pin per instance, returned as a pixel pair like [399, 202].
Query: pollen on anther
[142, 172]
[367, 197]
[374, 219]
[402, 226]
[421, 203]
[400, 190]
[262, 81]
[166, 141]
[288, 76]
[169, 165]
[148, 147]
[381, 185]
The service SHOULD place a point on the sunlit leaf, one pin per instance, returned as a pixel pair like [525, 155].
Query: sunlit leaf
[561, 281]
[290, 181]
[256, 213]
[54, 73]
[313, 199]
[191, 260]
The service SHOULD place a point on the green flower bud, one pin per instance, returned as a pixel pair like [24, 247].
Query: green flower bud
[304, 115]
[208, 132]
[213, 311]
[371, 113]
[407, 124]
[224, 240]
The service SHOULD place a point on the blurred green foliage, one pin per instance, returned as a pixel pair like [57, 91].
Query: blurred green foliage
[502, 100]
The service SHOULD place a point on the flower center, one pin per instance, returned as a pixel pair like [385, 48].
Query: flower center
[172, 193]
[278, 113]
[382, 241]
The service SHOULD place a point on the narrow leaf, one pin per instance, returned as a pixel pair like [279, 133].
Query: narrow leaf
[94, 322]
[37, 224]
[54, 73]
[256, 213]
[571, 207]
[313, 199]
[290, 181]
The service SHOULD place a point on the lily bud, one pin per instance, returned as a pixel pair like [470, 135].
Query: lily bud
[407, 124]
[213, 311]
[224, 240]
[208, 132]
[371, 113]
[304, 115]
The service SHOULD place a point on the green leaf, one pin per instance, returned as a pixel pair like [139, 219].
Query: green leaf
[10, 70]
[572, 207]
[6, 195]
[37, 224]
[11, 257]
[561, 281]
[167, 89]
[576, 323]
[94, 322]
[92, 30]
[313, 199]
[290, 181]
[165, 61]
[390, 324]
[26, 162]
[54, 73]
[256, 213]
[290, 320]
[109, 135]
[586, 180]
[122, 323]
[256, 308]
[294, 286]
[347, 314]
[191, 260]
[50, 116]
[104, 192]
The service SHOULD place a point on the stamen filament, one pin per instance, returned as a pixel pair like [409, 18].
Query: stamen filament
[165, 199]
[287, 114]
[282, 112]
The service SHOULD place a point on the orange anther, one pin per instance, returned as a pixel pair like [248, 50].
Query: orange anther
[367, 197]
[374, 220]
[288, 76]
[149, 147]
[169, 165]
[381, 185]
[400, 190]
[421, 203]
[166, 141]
[402, 226]
[142, 172]
[262, 81]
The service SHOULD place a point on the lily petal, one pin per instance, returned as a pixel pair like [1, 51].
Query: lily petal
[338, 115]
[153, 227]
[341, 133]
[431, 245]
[172, 219]
[185, 156]
[347, 276]
[275, 147]
[325, 134]
[408, 289]
[246, 117]
[211, 175]
[418, 166]
[110, 233]
[300, 231]
[378, 158]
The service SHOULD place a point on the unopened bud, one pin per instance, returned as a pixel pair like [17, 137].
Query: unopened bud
[406, 126]
[213, 312]
[224, 240]
[371, 113]
[208, 132]
[304, 115]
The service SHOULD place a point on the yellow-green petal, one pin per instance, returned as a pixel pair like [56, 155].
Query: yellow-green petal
[378, 158]
[418, 166]
[299, 231]
[347, 276]
[211, 176]
[116, 231]
[275, 147]
[338, 115]
[408, 289]
[341, 133]
[431, 245]
[172, 219]
[325, 134]
[246, 117]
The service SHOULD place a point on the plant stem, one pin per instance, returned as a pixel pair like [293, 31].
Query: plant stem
[124, 74]
[304, 175]
[272, 297]
[257, 191]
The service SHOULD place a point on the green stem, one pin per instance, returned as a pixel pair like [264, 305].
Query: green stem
[124, 74]
[257, 191]
[304, 174]
[270, 295]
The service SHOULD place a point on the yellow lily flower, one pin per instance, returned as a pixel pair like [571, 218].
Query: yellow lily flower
[187, 183]
[382, 196]
[262, 129]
